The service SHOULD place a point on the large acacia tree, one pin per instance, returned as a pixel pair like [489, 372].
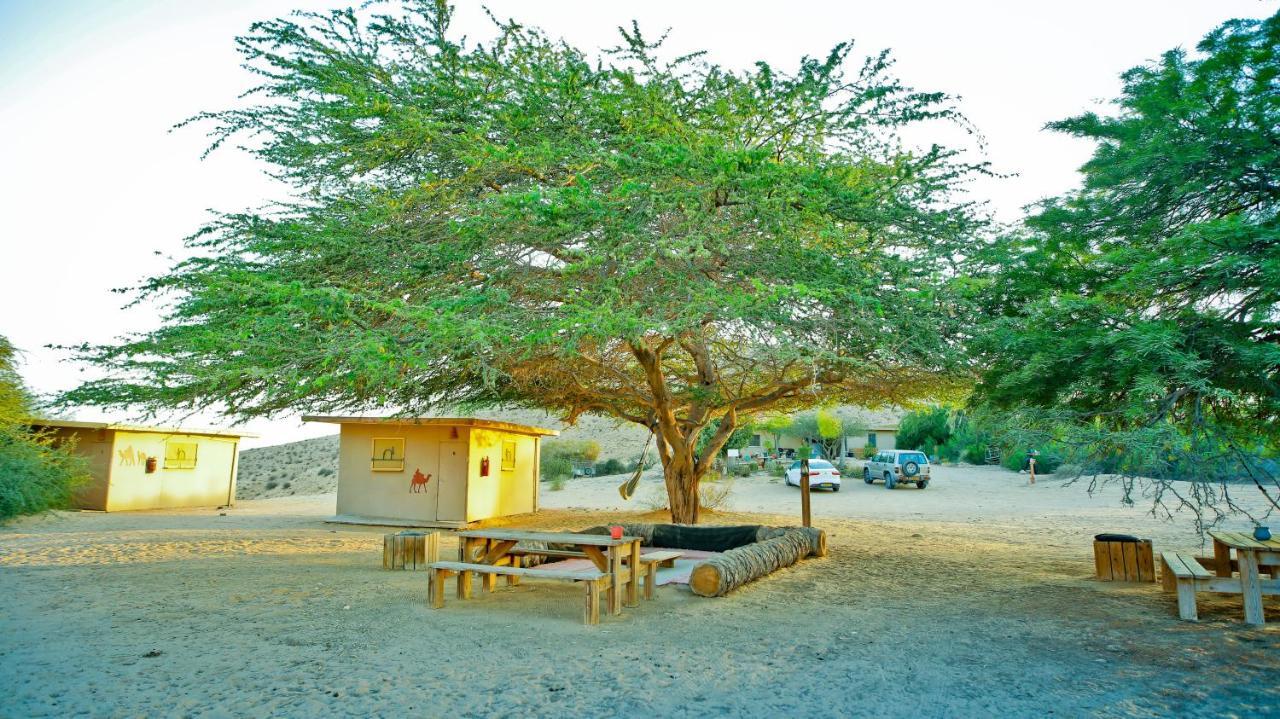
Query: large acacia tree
[1140, 318]
[668, 243]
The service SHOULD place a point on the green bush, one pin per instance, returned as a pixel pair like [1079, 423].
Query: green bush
[582, 450]
[777, 469]
[648, 459]
[975, 450]
[35, 473]
[610, 466]
[1046, 462]
[556, 469]
[924, 429]
[743, 469]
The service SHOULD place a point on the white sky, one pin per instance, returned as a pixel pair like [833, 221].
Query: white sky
[95, 192]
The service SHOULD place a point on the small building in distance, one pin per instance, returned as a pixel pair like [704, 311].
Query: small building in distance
[878, 430]
[434, 471]
[135, 467]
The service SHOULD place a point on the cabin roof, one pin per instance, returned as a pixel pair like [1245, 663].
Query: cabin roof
[116, 426]
[439, 422]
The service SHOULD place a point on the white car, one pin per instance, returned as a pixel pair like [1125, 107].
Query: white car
[822, 475]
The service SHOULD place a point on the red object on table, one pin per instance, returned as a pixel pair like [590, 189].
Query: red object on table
[615, 531]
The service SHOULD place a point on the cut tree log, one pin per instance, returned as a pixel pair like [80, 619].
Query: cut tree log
[721, 574]
[817, 537]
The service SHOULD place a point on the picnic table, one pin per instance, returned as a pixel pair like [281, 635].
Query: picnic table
[494, 547]
[1253, 556]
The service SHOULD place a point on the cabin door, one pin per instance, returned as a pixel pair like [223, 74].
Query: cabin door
[452, 503]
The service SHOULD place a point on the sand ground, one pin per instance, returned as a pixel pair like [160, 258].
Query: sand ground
[974, 597]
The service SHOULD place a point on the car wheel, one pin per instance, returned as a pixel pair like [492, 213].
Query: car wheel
[866, 475]
[922, 484]
[835, 488]
[889, 481]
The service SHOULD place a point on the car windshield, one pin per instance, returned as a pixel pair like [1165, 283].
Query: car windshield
[815, 464]
[917, 457]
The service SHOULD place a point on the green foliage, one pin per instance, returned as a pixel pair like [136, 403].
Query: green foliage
[36, 473]
[575, 450]
[926, 428]
[557, 457]
[610, 466]
[827, 427]
[1139, 317]
[738, 439]
[554, 469]
[522, 223]
[1015, 458]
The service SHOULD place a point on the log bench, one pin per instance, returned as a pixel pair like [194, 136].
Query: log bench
[593, 579]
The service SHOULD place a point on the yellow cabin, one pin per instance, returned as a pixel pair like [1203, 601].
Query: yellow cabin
[151, 467]
[435, 471]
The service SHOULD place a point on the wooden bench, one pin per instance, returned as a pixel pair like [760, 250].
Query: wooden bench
[1182, 573]
[593, 579]
[651, 562]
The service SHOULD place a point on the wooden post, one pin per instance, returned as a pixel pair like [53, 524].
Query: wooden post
[1222, 558]
[804, 492]
[633, 588]
[1250, 587]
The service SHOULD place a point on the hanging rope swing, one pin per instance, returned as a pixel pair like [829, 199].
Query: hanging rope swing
[628, 488]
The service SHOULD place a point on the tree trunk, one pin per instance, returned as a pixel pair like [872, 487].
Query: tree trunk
[682, 492]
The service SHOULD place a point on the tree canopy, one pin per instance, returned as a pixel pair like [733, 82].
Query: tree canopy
[827, 426]
[1138, 318]
[667, 242]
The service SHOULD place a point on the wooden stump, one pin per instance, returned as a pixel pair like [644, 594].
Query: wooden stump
[1124, 561]
[411, 550]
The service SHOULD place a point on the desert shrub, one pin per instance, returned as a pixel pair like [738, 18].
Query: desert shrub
[646, 459]
[610, 466]
[36, 472]
[286, 485]
[272, 485]
[869, 452]
[555, 469]
[714, 494]
[777, 469]
[582, 450]
[743, 469]
[326, 472]
[557, 483]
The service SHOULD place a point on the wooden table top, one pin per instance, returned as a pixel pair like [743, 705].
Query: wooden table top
[518, 535]
[1245, 541]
